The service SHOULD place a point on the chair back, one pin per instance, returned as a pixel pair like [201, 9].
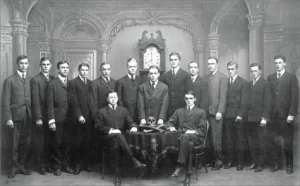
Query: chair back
[206, 134]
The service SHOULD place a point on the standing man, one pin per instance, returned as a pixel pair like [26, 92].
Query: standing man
[259, 109]
[217, 85]
[112, 122]
[153, 98]
[198, 87]
[127, 88]
[285, 92]
[59, 119]
[41, 133]
[100, 87]
[79, 97]
[235, 116]
[17, 115]
[190, 122]
[178, 82]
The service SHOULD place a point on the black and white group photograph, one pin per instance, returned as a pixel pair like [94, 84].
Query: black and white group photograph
[150, 92]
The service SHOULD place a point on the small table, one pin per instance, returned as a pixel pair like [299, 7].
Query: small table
[150, 146]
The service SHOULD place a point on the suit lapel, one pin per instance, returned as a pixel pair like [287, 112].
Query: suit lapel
[44, 77]
[103, 82]
[155, 92]
[178, 74]
[233, 86]
[62, 84]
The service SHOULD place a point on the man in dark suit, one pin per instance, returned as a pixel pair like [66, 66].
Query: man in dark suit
[79, 97]
[16, 100]
[127, 88]
[112, 122]
[190, 122]
[285, 102]
[100, 87]
[178, 82]
[153, 98]
[59, 119]
[259, 109]
[198, 87]
[217, 85]
[41, 133]
[235, 116]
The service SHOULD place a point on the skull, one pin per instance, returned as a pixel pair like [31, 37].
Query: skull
[151, 120]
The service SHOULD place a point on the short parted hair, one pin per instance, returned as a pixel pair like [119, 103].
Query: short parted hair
[190, 93]
[153, 66]
[213, 57]
[175, 54]
[279, 56]
[60, 63]
[83, 65]
[193, 62]
[231, 63]
[20, 57]
[44, 59]
[131, 59]
[256, 65]
[109, 92]
[102, 64]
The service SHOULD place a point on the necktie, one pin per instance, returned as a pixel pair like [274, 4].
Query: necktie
[106, 78]
[153, 85]
[113, 107]
[254, 81]
[84, 80]
[278, 75]
[23, 77]
[65, 82]
[231, 80]
[188, 108]
[131, 78]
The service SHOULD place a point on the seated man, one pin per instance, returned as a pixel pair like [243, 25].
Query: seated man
[112, 121]
[190, 122]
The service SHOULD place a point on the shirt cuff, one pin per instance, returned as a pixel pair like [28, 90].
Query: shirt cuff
[51, 121]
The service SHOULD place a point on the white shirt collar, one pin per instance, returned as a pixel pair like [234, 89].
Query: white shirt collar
[105, 79]
[191, 107]
[62, 78]
[81, 77]
[175, 69]
[281, 72]
[155, 83]
[46, 74]
[214, 72]
[256, 79]
[194, 77]
[234, 77]
[110, 105]
[131, 75]
[21, 73]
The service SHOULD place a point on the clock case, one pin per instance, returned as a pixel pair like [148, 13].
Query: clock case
[159, 44]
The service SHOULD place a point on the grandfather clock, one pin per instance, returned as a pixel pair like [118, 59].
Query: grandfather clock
[152, 52]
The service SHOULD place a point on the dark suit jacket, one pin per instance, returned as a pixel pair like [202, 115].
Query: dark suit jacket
[79, 97]
[217, 86]
[16, 98]
[153, 102]
[285, 94]
[106, 118]
[259, 100]
[184, 120]
[57, 101]
[178, 87]
[38, 85]
[237, 98]
[201, 93]
[128, 93]
[98, 94]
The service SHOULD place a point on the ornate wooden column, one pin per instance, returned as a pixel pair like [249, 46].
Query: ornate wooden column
[213, 45]
[199, 56]
[56, 54]
[19, 37]
[103, 46]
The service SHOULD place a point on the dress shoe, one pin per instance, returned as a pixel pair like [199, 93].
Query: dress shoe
[239, 167]
[252, 166]
[138, 164]
[14, 171]
[117, 181]
[216, 167]
[176, 172]
[57, 172]
[187, 180]
[258, 169]
[289, 169]
[49, 169]
[228, 165]
[42, 171]
[68, 169]
[77, 170]
[274, 168]
[25, 171]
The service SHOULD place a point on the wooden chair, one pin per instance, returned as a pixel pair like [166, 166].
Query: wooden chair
[199, 152]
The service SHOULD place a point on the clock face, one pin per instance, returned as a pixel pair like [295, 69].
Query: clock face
[151, 57]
